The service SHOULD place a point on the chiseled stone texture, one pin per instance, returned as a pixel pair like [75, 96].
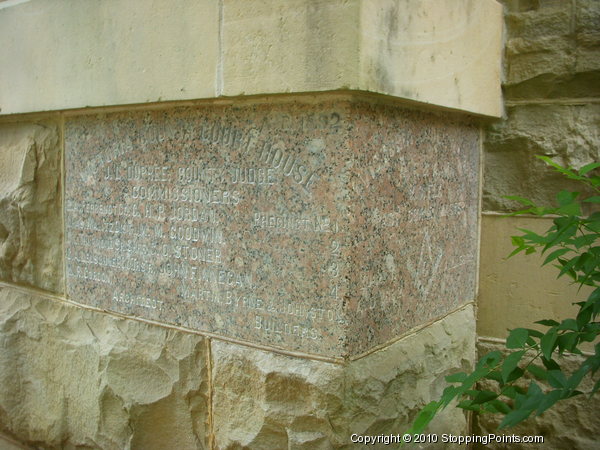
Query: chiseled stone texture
[326, 228]
[72, 378]
[30, 216]
[266, 400]
[572, 423]
[552, 68]
[570, 134]
[553, 49]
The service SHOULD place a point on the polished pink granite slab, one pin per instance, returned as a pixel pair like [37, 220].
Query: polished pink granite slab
[325, 228]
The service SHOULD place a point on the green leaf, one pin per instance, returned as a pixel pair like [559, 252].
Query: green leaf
[572, 209]
[566, 197]
[548, 343]
[424, 417]
[550, 364]
[510, 364]
[555, 254]
[567, 267]
[549, 399]
[584, 316]
[548, 322]
[518, 241]
[576, 378]
[550, 162]
[456, 378]
[449, 394]
[516, 251]
[514, 417]
[491, 359]
[537, 371]
[521, 200]
[585, 240]
[568, 324]
[512, 391]
[593, 199]
[589, 167]
[484, 396]
[556, 379]
[468, 405]
[535, 333]
[500, 406]
[517, 338]
[568, 342]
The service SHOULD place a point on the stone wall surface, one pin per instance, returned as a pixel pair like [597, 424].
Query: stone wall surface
[75, 375]
[30, 205]
[516, 292]
[265, 400]
[552, 97]
[207, 49]
[551, 86]
[572, 423]
[74, 378]
[85, 379]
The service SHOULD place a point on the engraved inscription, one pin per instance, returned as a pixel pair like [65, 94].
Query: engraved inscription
[325, 228]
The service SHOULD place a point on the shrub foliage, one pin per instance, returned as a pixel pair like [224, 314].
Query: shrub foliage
[572, 245]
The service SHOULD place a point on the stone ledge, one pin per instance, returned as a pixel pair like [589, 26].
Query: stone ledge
[96, 55]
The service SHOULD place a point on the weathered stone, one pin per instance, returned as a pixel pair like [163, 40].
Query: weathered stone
[552, 49]
[587, 14]
[266, 400]
[569, 134]
[572, 423]
[30, 215]
[414, 49]
[75, 378]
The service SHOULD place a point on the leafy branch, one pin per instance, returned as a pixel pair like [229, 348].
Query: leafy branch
[572, 245]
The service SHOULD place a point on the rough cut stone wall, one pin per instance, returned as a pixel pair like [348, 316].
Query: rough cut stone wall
[552, 100]
[78, 377]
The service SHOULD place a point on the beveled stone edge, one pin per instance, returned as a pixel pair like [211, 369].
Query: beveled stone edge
[27, 290]
[313, 97]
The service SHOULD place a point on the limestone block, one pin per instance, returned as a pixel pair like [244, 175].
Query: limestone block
[425, 50]
[552, 49]
[265, 400]
[587, 28]
[298, 45]
[417, 50]
[569, 134]
[71, 54]
[572, 423]
[30, 216]
[75, 378]
[516, 292]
